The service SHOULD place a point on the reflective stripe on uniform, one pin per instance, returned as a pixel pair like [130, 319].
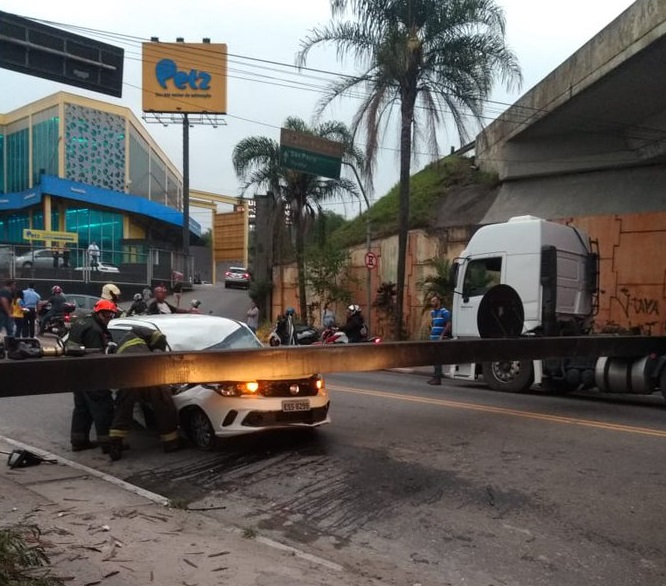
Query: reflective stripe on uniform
[130, 343]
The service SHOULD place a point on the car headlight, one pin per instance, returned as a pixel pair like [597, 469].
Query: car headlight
[233, 389]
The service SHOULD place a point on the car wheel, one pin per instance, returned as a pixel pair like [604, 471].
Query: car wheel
[226, 285]
[27, 265]
[199, 429]
[513, 376]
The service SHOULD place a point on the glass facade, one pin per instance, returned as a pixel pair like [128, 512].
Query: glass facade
[2, 160]
[96, 153]
[139, 166]
[17, 144]
[45, 134]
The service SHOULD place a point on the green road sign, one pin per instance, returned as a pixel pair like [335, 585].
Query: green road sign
[309, 162]
[310, 154]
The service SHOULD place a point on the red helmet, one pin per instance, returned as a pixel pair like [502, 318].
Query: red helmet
[105, 305]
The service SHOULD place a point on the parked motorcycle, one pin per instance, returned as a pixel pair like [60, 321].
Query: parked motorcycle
[338, 336]
[287, 333]
[58, 324]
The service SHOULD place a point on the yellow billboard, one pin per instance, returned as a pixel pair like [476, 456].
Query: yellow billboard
[62, 237]
[185, 77]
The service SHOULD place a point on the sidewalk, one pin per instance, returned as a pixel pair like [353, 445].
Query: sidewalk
[98, 529]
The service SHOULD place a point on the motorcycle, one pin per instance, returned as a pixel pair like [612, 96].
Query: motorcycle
[57, 324]
[335, 335]
[287, 333]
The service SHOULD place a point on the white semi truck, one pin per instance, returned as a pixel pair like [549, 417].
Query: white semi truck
[553, 270]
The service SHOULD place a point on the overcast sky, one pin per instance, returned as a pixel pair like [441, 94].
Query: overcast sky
[262, 95]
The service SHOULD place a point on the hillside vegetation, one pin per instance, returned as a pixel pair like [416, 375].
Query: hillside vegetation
[428, 187]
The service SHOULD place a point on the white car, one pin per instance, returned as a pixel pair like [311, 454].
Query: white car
[221, 409]
[102, 267]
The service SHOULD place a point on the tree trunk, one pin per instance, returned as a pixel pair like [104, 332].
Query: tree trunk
[407, 112]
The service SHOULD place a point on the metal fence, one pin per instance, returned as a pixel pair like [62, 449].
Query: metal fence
[132, 265]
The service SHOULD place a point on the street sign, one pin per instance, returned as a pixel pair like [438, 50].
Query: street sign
[310, 154]
[69, 237]
[371, 260]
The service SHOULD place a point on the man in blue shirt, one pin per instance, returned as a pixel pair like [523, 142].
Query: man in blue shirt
[440, 328]
[31, 300]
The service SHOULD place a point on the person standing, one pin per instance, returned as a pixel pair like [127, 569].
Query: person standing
[328, 316]
[65, 255]
[17, 312]
[440, 328]
[253, 316]
[55, 251]
[140, 340]
[160, 305]
[6, 298]
[93, 255]
[94, 406]
[31, 300]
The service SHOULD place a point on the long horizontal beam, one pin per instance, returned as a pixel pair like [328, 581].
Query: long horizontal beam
[35, 376]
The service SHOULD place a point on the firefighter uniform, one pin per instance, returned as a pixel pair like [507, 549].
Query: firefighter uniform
[94, 406]
[140, 340]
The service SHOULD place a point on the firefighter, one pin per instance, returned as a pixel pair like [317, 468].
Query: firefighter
[141, 339]
[94, 406]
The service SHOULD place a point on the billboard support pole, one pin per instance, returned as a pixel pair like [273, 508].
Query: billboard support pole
[186, 185]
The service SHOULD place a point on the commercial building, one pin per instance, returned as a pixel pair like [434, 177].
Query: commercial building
[87, 168]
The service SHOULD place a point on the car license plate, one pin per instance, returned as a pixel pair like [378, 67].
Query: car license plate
[296, 405]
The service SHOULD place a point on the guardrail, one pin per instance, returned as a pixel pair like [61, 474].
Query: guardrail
[47, 375]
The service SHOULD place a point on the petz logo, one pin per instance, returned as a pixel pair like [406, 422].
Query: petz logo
[166, 70]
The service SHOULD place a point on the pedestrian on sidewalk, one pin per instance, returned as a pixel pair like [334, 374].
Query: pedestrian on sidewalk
[31, 300]
[253, 316]
[440, 328]
[94, 406]
[140, 340]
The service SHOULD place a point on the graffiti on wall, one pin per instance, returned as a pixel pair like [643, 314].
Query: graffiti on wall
[637, 311]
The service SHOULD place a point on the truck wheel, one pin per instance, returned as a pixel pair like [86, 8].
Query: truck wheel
[513, 376]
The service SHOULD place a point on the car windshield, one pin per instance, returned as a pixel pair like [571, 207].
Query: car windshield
[241, 338]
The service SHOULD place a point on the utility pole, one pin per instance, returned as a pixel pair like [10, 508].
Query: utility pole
[368, 243]
[186, 186]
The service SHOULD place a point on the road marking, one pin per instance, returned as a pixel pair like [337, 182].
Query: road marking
[505, 411]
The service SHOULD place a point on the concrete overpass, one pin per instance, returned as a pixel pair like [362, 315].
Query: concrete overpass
[590, 138]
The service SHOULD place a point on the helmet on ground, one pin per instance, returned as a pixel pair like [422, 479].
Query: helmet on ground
[137, 297]
[56, 290]
[105, 305]
[290, 311]
[110, 291]
[353, 309]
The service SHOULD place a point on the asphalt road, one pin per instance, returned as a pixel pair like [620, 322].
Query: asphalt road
[422, 485]
[417, 484]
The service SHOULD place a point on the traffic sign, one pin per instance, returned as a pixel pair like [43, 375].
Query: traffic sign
[310, 154]
[371, 260]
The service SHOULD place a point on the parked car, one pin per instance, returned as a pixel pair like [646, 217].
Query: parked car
[39, 258]
[84, 304]
[237, 277]
[221, 408]
[102, 267]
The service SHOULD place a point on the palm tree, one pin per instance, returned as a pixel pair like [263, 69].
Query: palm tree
[299, 196]
[432, 58]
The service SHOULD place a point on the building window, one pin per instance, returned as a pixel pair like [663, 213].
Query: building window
[45, 128]
[18, 157]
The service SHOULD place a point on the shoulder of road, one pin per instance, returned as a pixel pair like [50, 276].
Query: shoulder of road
[97, 529]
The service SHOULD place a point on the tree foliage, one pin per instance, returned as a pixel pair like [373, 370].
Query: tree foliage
[426, 59]
[298, 196]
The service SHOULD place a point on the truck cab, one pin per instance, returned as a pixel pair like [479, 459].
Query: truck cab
[550, 266]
